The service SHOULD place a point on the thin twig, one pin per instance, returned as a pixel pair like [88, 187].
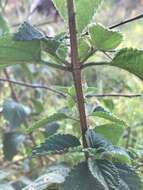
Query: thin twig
[56, 66]
[28, 85]
[127, 21]
[114, 95]
[93, 64]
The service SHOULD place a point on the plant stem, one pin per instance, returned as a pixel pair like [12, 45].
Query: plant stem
[76, 70]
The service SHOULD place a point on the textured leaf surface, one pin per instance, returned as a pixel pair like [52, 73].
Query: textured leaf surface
[104, 39]
[95, 140]
[27, 32]
[84, 9]
[47, 120]
[18, 52]
[103, 113]
[108, 130]
[130, 179]
[105, 172]
[57, 144]
[15, 113]
[130, 60]
[80, 178]
[55, 174]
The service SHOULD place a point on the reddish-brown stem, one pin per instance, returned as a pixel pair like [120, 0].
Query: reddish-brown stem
[76, 69]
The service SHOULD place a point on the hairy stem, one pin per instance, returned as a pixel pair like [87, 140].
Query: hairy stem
[76, 70]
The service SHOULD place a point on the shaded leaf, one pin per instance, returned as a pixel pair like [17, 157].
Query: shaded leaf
[105, 172]
[131, 60]
[95, 140]
[15, 113]
[51, 129]
[12, 141]
[56, 144]
[80, 178]
[129, 178]
[104, 39]
[27, 32]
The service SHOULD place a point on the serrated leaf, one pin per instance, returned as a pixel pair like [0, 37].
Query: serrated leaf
[117, 154]
[105, 172]
[105, 114]
[95, 140]
[108, 130]
[131, 60]
[104, 39]
[46, 120]
[11, 144]
[56, 144]
[84, 9]
[15, 113]
[55, 174]
[130, 180]
[27, 32]
[80, 178]
[18, 52]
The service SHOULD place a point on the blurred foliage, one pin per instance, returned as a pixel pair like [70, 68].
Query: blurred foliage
[34, 104]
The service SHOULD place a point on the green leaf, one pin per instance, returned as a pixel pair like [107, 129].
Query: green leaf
[18, 52]
[103, 113]
[15, 113]
[105, 172]
[108, 130]
[84, 48]
[85, 10]
[4, 28]
[104, 39]
[129, 178]
[56, 144]
[80, 178]
[46, 120]
[117, 154]
[95, 140]
[55, 174]
[62, 51]
[131, 60]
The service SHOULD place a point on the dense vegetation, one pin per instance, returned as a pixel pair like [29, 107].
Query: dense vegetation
[71, 98]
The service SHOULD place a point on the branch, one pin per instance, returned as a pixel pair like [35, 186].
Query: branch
[56, 66]
[127, 21]
[115, 95]
[76, 69]
[83, 66]
[28, 85]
